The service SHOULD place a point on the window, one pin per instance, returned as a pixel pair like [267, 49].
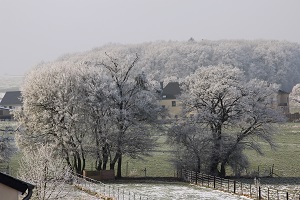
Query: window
[173, 103]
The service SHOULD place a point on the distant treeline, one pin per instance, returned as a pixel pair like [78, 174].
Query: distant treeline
[273, 61]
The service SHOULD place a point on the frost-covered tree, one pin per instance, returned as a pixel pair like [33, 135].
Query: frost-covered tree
[7, 144]
[295, 94]
[295, 97]
[53, 111]
[43, 168]
[133, 106]
[192, 144]
[231, 111]
[104, 109]
[7, 148]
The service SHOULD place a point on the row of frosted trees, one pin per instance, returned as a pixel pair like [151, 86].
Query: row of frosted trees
[91, 110]
[108, 109]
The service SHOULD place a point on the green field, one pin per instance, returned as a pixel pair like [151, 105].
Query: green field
[285, 159]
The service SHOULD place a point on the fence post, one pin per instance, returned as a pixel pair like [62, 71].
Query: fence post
[250, 191]
[196, 178]
[228, 184]
[214, 182]
[259, 193]
[208, 180]
[287, 195]
[241, 188]
[234, 186]
[221, 183]
[268, 193]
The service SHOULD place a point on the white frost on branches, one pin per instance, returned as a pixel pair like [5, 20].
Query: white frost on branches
[44, 169]
[230, 110]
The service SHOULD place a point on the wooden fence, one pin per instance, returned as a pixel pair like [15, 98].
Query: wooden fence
[255, 191]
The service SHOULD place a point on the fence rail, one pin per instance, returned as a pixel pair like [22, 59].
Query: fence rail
[104, 191]
[255, 191]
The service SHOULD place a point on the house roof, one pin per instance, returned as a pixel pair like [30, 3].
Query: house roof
[282, 92]
[171, 91]
[14, 183]
[11, 98]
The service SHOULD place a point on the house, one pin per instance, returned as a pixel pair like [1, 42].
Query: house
[169, 99]
[11, 100]
[283, 101]
[5, 114]
[11, 188]
[170, 93]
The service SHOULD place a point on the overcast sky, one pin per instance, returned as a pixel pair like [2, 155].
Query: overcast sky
[42, 30]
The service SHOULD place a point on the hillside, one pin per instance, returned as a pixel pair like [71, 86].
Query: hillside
[10, 83]
[273, 61]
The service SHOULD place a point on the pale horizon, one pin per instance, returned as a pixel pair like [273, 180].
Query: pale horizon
[34, 31]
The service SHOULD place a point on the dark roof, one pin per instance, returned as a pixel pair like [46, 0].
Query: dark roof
[14, 183]
[171, 91]
[11, 98]
[282, 92]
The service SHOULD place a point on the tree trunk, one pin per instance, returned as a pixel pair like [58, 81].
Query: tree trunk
[198, 164]
[99, 158]
[223, 170]
[119, 170]
[98, 162]
[116, 158]
[215, 159]
[112, 166]
[105, 154]
[214, 167]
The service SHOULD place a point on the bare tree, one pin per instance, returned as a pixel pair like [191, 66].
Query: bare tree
[43, 168]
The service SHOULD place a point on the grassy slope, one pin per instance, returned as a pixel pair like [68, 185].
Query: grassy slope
[286, 159]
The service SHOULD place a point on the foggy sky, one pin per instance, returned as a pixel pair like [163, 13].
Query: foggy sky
[33, 30]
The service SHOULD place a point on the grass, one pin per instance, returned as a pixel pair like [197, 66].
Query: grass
[158, 164]
[285, 159]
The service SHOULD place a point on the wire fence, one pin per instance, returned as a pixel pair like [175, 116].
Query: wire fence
[256, 190]
[104, 191]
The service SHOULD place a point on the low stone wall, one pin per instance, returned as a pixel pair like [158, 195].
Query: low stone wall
[100, 175]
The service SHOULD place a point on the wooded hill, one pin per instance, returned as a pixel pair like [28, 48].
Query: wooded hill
[273, 61]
